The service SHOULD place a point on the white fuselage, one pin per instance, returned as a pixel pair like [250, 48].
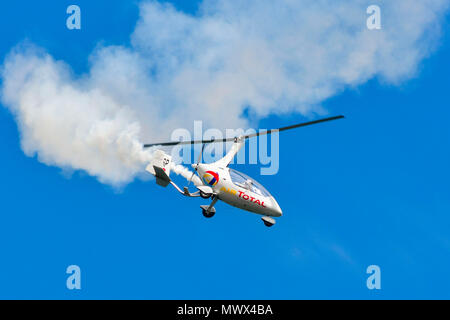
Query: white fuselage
[219, 179]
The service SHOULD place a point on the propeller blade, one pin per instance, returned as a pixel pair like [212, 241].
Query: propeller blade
[198, 161]
[200, 155]
[190, 180]
[303, 124]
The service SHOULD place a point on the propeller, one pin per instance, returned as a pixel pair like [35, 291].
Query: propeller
[303, 124]
[196, 166]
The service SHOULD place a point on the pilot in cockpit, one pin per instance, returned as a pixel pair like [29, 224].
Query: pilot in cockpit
[249, 184]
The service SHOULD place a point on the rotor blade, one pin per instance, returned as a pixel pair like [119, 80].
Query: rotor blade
[303, 124]
[174, 143]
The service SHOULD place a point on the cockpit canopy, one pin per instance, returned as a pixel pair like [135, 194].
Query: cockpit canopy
[245, 182]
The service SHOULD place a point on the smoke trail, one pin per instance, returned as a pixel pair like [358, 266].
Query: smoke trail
[271, 57]
[186, 173]
[68, 125]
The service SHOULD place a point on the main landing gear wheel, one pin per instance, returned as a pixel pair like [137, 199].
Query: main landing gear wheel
[205, 195]
[208, 213]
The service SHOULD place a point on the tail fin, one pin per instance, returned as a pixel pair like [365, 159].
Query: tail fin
[160, 167]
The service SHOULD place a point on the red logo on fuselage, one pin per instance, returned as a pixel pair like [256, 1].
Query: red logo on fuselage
[245, 196]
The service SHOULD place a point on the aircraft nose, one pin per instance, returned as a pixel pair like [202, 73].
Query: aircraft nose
[277, 212]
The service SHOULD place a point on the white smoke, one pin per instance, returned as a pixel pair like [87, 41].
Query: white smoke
[69, 125]
[269, 56]
[186, 173]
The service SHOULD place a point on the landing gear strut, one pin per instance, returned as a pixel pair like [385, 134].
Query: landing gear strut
[210, 211]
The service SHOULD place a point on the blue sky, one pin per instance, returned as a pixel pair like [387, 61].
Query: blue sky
[370, 189]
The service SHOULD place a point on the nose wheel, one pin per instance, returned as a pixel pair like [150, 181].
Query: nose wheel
[268, 221]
